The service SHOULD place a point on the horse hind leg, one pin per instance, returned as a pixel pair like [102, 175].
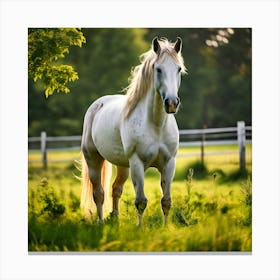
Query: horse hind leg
[122, 175]
[95, 163]
[98, 192]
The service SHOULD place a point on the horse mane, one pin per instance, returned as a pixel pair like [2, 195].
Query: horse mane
[142, 75]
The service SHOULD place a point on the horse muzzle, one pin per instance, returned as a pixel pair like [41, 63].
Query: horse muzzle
[171, 105]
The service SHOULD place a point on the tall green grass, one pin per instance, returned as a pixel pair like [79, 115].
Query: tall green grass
[211, 211]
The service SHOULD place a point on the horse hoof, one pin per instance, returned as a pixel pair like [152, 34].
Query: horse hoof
[113, 217]
[141, 206]
[114, 213]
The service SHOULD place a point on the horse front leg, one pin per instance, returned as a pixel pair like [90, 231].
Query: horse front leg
[137, 176]
[167, 174]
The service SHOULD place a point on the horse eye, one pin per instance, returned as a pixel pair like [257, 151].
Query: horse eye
[179, 69]
[158, 70]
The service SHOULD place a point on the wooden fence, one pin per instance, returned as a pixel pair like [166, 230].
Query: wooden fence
[239, 134]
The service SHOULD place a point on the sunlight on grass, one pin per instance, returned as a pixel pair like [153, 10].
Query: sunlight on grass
[212, 212]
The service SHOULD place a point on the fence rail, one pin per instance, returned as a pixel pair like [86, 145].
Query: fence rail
[56, 138]
[240, 135]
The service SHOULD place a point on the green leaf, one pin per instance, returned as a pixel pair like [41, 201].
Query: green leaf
[45, 47]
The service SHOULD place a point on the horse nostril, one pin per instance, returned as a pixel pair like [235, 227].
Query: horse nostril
[166, 102]
[178, 100]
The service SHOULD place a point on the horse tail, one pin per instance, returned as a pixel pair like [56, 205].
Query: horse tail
[87, 203]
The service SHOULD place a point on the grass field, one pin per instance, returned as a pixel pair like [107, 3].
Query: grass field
[211, 208]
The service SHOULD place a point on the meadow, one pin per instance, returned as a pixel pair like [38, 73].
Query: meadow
[211, 208]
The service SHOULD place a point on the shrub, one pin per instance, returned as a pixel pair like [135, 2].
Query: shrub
[183, 216]
[47, 201]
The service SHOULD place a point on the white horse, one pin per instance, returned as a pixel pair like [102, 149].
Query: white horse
[137, 130]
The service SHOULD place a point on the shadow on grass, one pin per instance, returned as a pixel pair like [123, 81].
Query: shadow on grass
[234, 176]
[201, 172]
[62, 236]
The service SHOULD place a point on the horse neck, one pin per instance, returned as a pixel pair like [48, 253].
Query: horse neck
[155, 111]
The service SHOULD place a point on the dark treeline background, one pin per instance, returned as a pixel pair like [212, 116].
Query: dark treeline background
[216, 92]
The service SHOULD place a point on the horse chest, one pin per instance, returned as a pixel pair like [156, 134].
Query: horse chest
[154, 154]
[153, 147]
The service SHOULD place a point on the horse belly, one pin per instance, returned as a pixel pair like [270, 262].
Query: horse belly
[113, 154]
[106, 136]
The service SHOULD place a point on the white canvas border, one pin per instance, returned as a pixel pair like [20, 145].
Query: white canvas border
[17, 16]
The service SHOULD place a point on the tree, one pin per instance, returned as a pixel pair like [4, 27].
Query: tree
[103, 64]
[45, 47]
[216, 92]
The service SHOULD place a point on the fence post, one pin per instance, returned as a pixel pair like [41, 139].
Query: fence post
[241, 138]
[44, 149]
[203, 144]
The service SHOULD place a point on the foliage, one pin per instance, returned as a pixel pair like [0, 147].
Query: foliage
[206, 214]
[47, 199]
[216, 92]
[247, 201]
[45, 47]
[183, 216]
[104, 65]
[219, 75]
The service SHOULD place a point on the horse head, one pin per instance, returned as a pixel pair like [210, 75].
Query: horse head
[167, 72]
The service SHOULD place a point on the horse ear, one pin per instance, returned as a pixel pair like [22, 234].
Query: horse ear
[156, 46]
[178, 45]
